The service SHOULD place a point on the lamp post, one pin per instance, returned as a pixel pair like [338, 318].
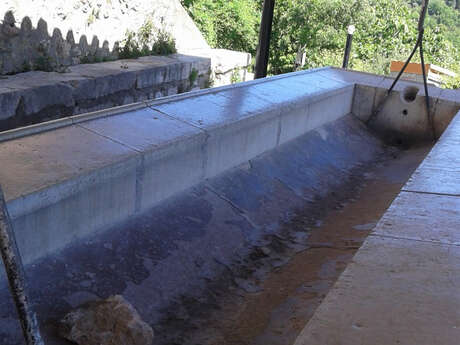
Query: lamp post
[346, 57]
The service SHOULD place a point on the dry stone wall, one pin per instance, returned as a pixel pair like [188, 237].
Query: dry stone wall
[28, 48]
[52, 34]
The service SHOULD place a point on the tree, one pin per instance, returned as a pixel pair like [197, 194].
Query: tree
[386, 30]
[227, 24]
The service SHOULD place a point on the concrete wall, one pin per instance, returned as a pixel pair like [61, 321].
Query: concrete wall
[403, 117]
[81, 178]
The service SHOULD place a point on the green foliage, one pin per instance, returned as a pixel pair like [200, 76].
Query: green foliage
[26, 66]
[236, 76]
[85, 59]
[193, 76]
[44, 63]
[165, 44]
[210, 81]
[443, 14]
[138, 44]
[130, 48]
[230, 24]
[452, 82]
[385, 30]
[95, 13]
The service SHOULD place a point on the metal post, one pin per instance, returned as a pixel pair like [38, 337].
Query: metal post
[263, 48]
[346, 57]
[16, 279]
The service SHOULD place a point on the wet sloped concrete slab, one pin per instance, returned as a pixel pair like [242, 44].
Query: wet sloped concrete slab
[278, 180]
[172, 250]
[287, 295]
[414, 290]
[185, 251]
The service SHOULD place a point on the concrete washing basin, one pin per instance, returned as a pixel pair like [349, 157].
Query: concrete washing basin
[155, 200]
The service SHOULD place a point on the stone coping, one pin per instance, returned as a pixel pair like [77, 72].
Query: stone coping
[402, 285]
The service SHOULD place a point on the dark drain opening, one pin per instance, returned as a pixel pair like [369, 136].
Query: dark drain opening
[410, 94]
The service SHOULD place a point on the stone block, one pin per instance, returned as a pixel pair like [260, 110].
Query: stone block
[107, 322]
[39, 98]
[363, 101]
[9, 101]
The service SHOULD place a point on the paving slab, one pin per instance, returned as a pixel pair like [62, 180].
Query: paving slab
[352, 76]
[422, 217]
[451, 95]
[201, 111]
[292, 90]
[432, 180]
[445, 155]
[394, 292]
[36, 162]
[452, 132]
[142, 129]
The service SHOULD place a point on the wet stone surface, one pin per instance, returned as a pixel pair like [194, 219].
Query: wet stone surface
[183, 263]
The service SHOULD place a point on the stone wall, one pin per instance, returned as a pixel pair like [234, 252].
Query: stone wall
[51, 35]
[109, 19]
[33, 97]
[24, 48]
[87, 31]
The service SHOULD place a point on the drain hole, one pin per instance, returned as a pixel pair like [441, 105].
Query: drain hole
[405, 112]
[410, 94]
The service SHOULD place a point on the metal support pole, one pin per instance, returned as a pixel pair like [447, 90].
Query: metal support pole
[16, 279]
[263, 49]
[427, 96]
[346, 57]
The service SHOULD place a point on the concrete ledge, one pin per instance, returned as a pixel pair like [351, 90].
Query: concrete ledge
[402, 286]
[34, 97]
[90, 173]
